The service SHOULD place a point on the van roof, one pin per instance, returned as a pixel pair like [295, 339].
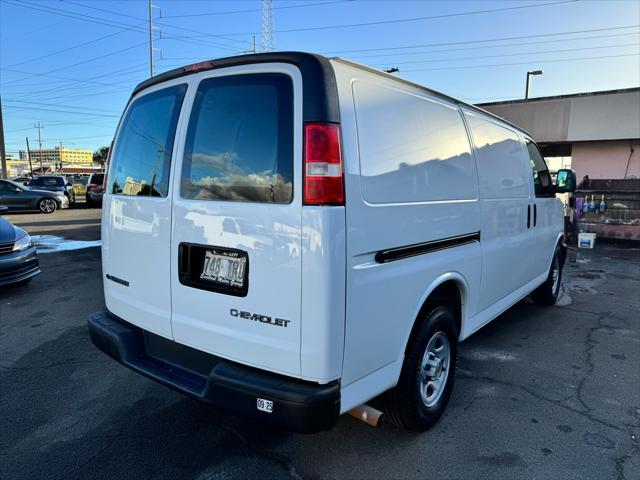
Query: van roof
[316, 73]
[427, 89]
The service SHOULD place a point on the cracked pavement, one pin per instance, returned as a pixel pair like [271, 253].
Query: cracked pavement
[546, 393]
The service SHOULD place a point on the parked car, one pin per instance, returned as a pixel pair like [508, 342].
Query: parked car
[18, 197]
[95, 189]
[392, 222]
[22, 180]
[18, 258]
[54, 183]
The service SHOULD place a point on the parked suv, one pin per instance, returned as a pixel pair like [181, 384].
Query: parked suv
[288, 236]
[95, 189]
[54, 183]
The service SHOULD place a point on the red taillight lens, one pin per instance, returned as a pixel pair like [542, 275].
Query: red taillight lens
[323, 174]
[91, 185]
[196, 67]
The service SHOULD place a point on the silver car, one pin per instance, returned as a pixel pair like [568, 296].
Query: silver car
[19, 197]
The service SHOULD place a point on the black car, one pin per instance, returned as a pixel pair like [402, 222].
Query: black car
[18, 258]
[17, 197]
[54, 183]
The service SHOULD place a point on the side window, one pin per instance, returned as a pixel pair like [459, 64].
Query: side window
[239, 144]
[141, 161]
[539, 170]
[412, 149]
[6, 187]
[502, 165]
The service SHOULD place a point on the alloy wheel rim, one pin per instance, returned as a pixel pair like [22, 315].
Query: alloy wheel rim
[434, 369]
[47, 206]
[555, 275]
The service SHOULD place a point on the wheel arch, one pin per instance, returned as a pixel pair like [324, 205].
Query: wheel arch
[448, 289]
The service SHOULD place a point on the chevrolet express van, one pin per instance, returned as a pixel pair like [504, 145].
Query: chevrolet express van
[287, 236]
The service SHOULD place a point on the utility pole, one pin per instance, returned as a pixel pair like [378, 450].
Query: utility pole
[150, 38]
[61, 147]
[40, 127]
[151, 28]
[29, 156]
[267, 27]
[3, 154]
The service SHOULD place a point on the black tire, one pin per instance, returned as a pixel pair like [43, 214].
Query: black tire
[404, 405]
[547, 293]
[47, 205]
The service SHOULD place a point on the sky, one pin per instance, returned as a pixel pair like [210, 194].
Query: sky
[72, 64]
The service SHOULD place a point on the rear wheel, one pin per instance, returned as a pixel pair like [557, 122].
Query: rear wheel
[427, 376]
[47, 205]
[547, 293]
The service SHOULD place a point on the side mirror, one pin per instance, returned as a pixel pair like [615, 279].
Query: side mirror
[565, 181]
[18, 190]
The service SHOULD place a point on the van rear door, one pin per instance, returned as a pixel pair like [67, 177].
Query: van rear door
[136, 216]
[237, 209]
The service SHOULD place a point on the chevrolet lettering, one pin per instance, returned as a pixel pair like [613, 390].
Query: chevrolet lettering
[256, 317]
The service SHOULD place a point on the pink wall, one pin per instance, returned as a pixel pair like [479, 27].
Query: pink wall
[607, 159]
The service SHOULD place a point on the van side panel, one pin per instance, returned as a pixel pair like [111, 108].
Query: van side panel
[395, 197]
[506, 212]
[323, 293]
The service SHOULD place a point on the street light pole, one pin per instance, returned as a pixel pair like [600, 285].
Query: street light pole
[534, 72]
[3, 153]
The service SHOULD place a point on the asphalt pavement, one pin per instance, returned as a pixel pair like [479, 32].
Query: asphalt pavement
[545, 393]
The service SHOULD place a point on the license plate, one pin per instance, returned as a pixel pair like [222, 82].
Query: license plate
[225, 268]
[265, 405]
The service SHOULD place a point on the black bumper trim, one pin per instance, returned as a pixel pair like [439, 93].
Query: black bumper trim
[298, 406]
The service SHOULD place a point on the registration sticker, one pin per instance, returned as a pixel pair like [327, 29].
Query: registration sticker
[265, 405]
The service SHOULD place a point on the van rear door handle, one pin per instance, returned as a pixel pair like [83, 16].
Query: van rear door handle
[535, 214]
[529, 216]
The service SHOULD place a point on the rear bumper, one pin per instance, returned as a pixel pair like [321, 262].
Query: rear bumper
[298, 406]
[18, 267]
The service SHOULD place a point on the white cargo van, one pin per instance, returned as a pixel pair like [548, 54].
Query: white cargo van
[288, 236]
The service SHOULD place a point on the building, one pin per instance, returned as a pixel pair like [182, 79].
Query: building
[57, 155]
[597, 134]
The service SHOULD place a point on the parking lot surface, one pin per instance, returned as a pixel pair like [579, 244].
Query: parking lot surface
[545, 393]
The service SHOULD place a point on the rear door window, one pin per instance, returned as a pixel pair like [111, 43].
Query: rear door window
[142, 157]
[239, 144]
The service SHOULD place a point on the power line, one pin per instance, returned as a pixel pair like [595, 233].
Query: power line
[112, 12]
[59, 111]
[421, 52]
[513, 54]
[100, 21]
[251, 10]
[100, 110]
[65, 67]
[521, 63]
[405, 20]
[465, 42]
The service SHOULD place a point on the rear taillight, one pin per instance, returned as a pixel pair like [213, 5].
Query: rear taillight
[91, 185]
[323, 172]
